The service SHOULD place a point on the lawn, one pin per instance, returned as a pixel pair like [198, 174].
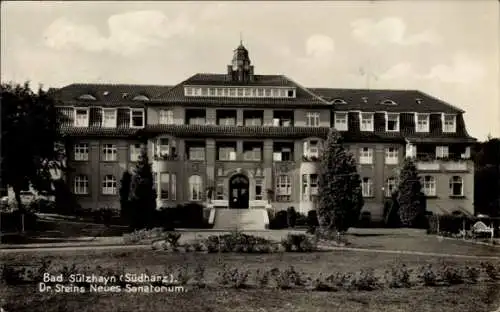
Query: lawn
[481, 297]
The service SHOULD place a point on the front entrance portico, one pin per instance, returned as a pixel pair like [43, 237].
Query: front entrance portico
[239, 192]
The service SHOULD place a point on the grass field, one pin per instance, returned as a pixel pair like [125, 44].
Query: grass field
[481, 297]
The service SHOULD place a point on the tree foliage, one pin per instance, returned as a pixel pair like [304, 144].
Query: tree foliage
[29, 134]
[410, 198]
[142, 195]
[124, 191]
[487, 178]
[340, 195]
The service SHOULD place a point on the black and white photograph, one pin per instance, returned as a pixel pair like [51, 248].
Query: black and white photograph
[250, 156]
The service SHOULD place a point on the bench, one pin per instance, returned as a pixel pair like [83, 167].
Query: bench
[481, 228]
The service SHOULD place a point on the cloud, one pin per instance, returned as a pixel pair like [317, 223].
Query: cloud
[389, 30]
[462, 70]
[129, 33]
[319, 46]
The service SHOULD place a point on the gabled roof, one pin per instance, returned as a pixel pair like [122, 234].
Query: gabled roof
[176, 93]
[372, 100]
[106, 94]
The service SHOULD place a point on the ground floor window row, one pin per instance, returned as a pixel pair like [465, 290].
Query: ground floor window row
[428, 182]
[167, 187]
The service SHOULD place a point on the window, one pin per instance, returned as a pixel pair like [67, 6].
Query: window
[312, 119]
[166, 117]
[219, 190]
[227, 153]
[81, 152]
[366, 156]
[267, 92]
[166, 147]
[259, 189]
[340, 122]
[109, 185]
[81, 117]
[411, 150]
[228, 121]
[456, 186]
[392, 122]
[311, 148]
[253, 122]
[211, 91]
[366, 121]
[449, 123]
[309, 187]
[422, 122]
[109, 117]
[81, 185]
[164, 185]
[204, 91]
[391, 156]
[429, 187]
[291, 93]
[109, 152]
[283, 188]
[135, 151]
[196, 153]
[195, 188]
[441, 151]
[390, 186]
[196, 121]
[253, 154]
[367, 187]
[137, 118]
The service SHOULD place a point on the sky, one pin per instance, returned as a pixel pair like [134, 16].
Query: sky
[448, 49]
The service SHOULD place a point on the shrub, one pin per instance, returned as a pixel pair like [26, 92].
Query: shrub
[312, 221]
[428, 276]
[324, 284]
[398, 277]
[301, 219]
[280, 220]
[451, 275]
[491, 271]
[288, 278]
[237, 242]
[233, 277]
[299, 242]
[262, 278]
[366, 280]
[291, 217]
[42, 205]
[472, 274]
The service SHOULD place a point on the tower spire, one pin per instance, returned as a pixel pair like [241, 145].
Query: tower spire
[241, 38]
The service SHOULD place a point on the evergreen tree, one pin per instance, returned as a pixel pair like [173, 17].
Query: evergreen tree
[340, 195]
[124, 195]
[142, 196]
[411, 200]
[29, 136]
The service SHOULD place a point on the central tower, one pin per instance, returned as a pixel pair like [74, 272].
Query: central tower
[241, 69]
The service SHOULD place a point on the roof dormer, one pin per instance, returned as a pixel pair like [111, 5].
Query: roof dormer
[339, 101]
[140, 97]
[388, 102]
[87, 97]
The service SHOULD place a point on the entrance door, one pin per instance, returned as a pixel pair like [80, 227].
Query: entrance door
[238, 190]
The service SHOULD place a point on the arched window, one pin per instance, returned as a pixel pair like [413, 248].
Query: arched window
[429, 186]
[390, 186]
[109, 185]
[195, 188]
[456, 186]
[81, 185]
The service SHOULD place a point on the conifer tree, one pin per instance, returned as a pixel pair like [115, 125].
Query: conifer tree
[411, 200]
[142, 196]
[340, 194]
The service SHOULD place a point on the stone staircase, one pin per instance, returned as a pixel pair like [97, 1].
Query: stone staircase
[241, 219]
